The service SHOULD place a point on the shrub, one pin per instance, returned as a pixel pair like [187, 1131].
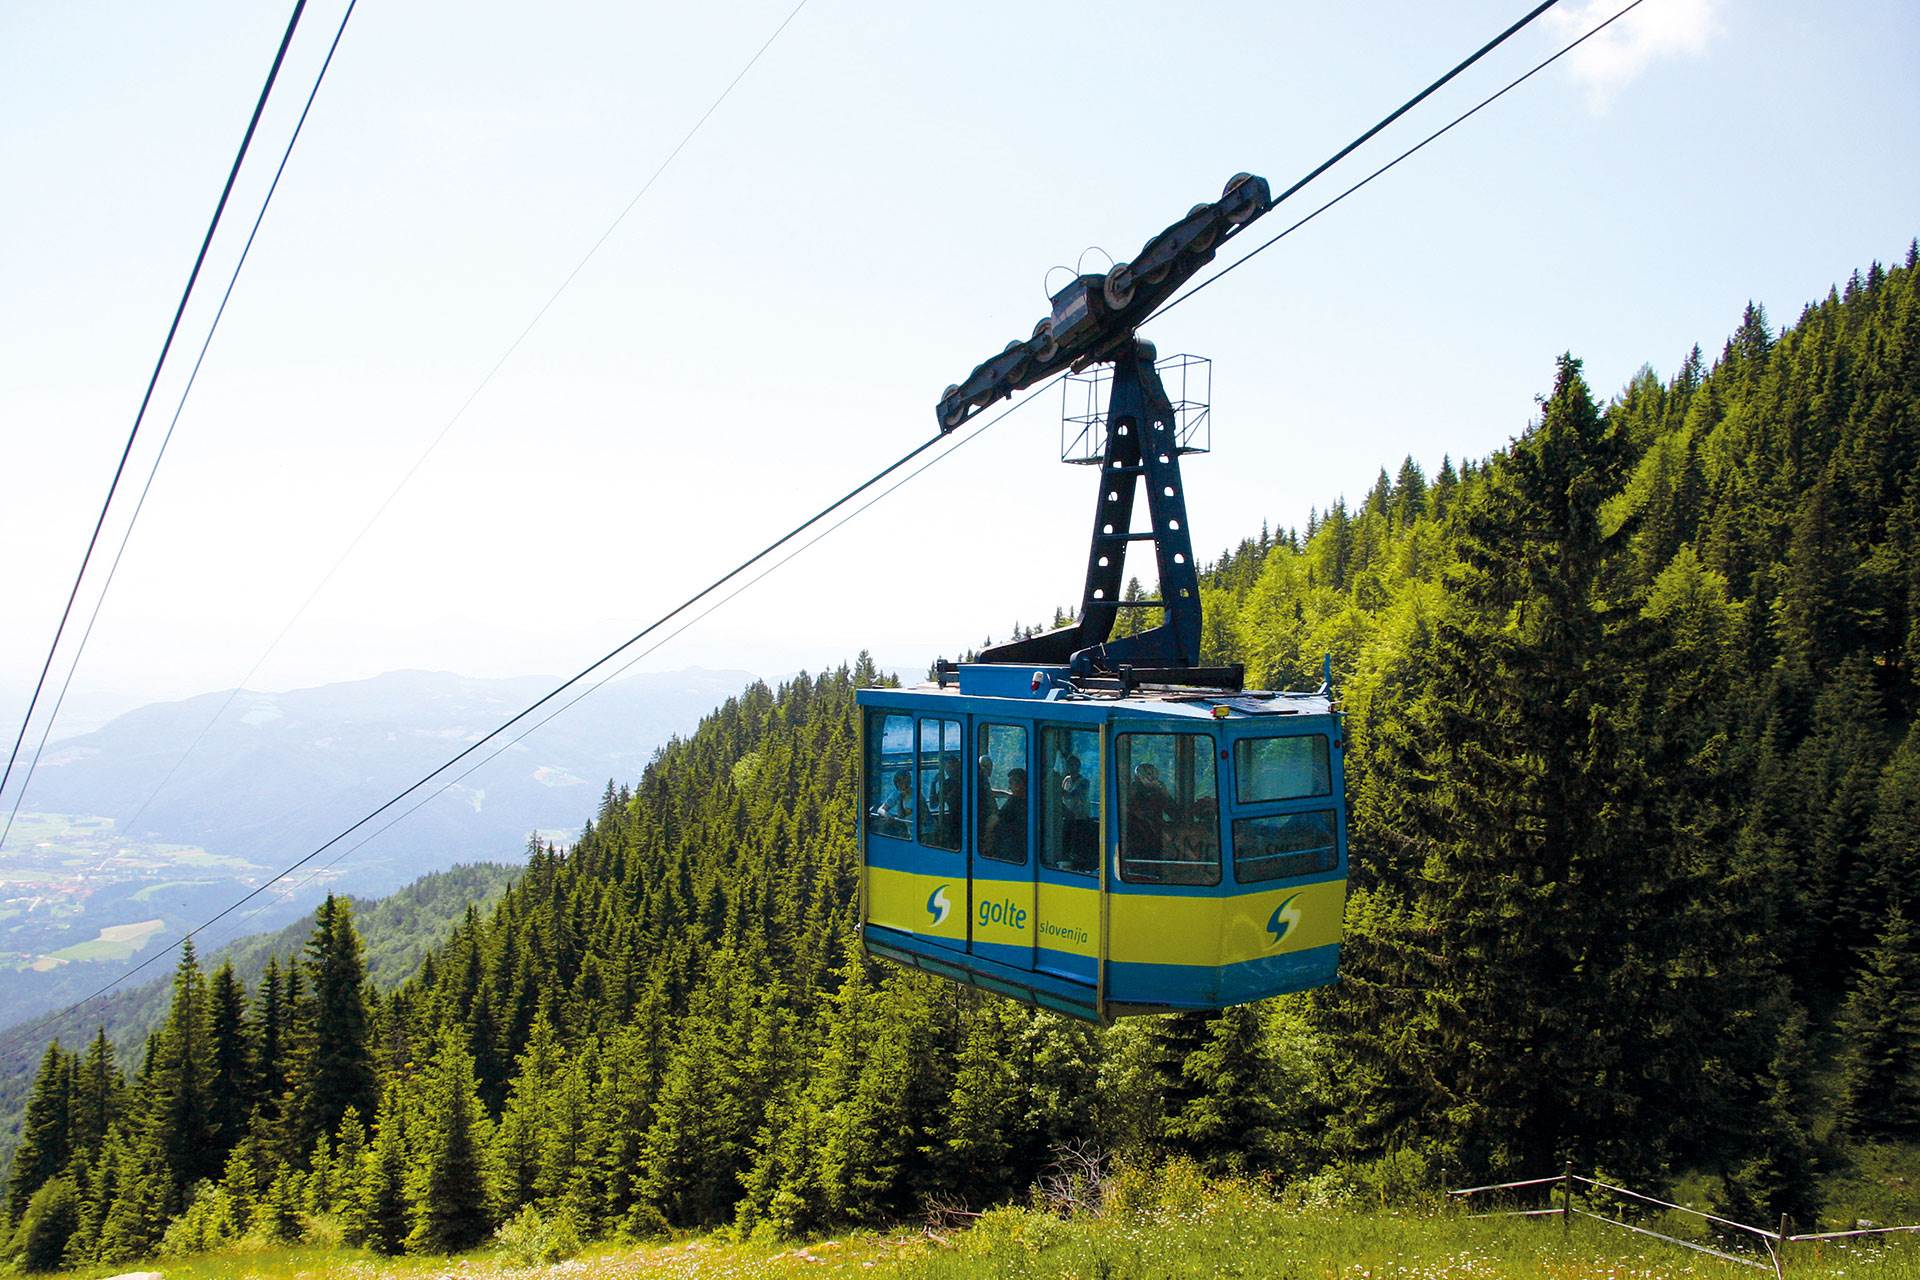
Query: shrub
[50, 1219]
[531, 1238]
[210, 1220]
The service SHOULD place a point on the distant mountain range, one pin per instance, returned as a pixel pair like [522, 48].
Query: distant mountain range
[280, 773]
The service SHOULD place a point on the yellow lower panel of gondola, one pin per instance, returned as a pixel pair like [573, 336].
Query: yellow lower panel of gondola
[1172, 929]
[931, 906]
[1146, 928]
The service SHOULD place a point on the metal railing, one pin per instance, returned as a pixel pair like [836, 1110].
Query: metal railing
[1775, 1242]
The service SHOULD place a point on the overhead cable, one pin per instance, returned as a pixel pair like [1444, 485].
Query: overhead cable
[473, 395]
[552, 694]
[179, 310]
[1474, 110]
[637, 656]
[791, 535]
[126, 535]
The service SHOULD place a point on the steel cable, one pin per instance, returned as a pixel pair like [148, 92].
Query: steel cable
[632, 659]
[28, 1028]
[486, 379]
[1474, 110]
[837, 504]
[127, 534]
[153, 381]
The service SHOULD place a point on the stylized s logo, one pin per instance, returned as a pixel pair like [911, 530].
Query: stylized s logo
[938, 906]
[1284, 918]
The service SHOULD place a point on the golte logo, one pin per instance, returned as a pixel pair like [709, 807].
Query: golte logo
[1282, 921]
[938, 906]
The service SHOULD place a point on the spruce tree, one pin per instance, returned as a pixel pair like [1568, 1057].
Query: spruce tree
[52, 1216]
[230, 1086]
[179, 1090]
[45, 1133]
[446, 1186]
[334, 1067]
[1880, 1029]
[984, 1103]
[97, 1092]
[1228, 1121]
[267, 1033]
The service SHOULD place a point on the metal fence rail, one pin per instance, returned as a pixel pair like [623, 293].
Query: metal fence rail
[1775, 1242]
[1686, 1244]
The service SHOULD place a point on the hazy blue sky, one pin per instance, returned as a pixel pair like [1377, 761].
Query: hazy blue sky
[870, 214]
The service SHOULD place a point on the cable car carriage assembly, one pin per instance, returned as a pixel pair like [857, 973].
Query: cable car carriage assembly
[1095, 825]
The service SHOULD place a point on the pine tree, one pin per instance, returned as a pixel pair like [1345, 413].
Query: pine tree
[1880, 1023]
[230, 1086]
[334, 1063]
[45, 1133]
[1228, 1122]
[446, 1186]
[96, 1096]
[179, 1089]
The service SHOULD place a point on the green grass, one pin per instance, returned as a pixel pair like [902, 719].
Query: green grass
[1195, 1230]
[152, 890]
[115, 942]
[1880, 1182]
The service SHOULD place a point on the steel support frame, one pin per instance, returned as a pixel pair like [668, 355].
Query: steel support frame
[1141, 445]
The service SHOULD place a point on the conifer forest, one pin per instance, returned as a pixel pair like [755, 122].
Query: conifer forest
[1634, 779]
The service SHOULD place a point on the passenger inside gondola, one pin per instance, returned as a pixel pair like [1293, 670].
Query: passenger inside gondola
[1007, 831]
[894, 815]
[1069, 802]
[1149, 809]
[1169, 834]
[943, 804]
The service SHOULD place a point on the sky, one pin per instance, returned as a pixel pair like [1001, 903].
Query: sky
[870, 213]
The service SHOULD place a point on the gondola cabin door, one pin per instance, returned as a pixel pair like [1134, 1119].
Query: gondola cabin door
[916, 824]
[1069, 846]
[1002, 922]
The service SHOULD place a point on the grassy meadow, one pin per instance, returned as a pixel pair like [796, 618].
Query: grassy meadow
[1164, 1228]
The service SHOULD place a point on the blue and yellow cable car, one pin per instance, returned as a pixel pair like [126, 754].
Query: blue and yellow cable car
[1104, 826]
[1100, 854]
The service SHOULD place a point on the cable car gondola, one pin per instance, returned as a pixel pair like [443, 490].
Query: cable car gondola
[1103, 826]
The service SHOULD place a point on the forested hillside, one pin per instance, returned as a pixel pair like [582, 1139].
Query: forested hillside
[397, 932]
[1636, 815]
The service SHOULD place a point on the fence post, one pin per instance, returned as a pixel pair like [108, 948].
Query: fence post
[1566, 1200]
[1780, 1257]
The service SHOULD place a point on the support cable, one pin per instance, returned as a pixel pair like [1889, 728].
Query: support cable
[126, 535]
[432, 445]
[1418, 98]
[179, 310]
[580, 676]
[1474, 110]
[635, 658]
[800, 529]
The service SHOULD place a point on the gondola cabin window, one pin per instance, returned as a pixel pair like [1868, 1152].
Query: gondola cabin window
[1003, 793]
[890, 802]
[1169, 809]
[1070, 800]
[1284, 845]
[1281, 768]
[942, 784]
